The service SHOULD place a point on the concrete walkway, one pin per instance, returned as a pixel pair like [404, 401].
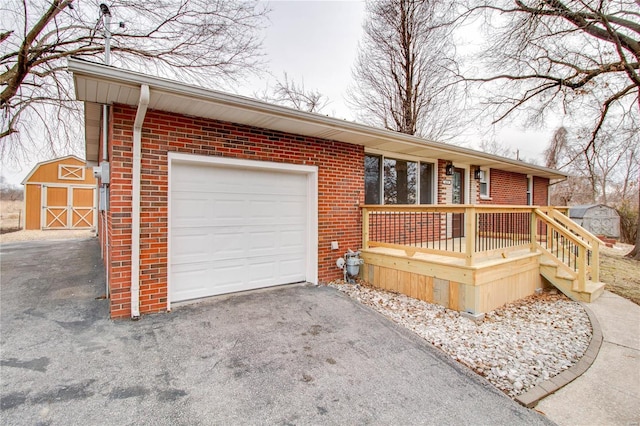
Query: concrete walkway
[608, 393]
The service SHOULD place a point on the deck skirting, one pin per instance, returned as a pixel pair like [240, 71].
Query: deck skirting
[448, 282]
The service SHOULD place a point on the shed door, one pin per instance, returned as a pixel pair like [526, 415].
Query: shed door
[82, 207]
[234, 229]
[67, 207]
[55, 207]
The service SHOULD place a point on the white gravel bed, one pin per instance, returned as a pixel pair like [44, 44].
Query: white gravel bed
[53, 234]
[515, 347]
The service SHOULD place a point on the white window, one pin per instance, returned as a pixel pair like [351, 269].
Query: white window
[529, 190]
[484, 183]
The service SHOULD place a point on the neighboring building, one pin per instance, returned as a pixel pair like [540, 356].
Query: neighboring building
[211, 193]
[60, 194]
[598, 219]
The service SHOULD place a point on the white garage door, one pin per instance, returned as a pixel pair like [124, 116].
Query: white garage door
[235, 228]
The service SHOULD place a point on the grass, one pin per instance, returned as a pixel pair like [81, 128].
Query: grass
[620, 274]
[10, 215]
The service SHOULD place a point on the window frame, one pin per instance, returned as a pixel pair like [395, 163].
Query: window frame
[485, 172]
[71, 172]
[530, 190]
[392, 156]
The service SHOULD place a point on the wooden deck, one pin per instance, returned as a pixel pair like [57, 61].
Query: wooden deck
[513, 251]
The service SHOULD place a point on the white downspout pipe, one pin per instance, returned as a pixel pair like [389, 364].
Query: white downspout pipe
[106, 16]
[135, 202]
[105, 157]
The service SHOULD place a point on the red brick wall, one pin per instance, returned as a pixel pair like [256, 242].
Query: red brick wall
[540, 191]
[511, 188]
[340, 191]
[507, 188]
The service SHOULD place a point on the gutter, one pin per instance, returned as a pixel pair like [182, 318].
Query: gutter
[135, 202]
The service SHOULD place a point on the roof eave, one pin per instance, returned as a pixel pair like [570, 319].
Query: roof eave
[100, 84]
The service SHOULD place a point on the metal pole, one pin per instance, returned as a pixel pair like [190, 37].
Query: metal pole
[106, 16]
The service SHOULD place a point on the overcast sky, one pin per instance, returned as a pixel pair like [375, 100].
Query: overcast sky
[316, 42]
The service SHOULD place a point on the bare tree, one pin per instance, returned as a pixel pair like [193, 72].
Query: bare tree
[295, 95]
[629, 180]
[635, 253]
[580, 58]
[10, 192]
[597, 178]
[556, 149]
[403, 72]
[202, 41]
[492, 146]
[576, 57]
[575, 189]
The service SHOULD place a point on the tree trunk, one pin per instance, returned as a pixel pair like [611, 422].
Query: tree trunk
[635, 253]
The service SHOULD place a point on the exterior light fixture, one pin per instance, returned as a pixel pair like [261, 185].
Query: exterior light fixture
[448, 170]
[476, 173]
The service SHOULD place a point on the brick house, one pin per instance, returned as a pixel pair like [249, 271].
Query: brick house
[208, 193]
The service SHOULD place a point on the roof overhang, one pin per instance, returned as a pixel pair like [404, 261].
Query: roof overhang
[98, 84]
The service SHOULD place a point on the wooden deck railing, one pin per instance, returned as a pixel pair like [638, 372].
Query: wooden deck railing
[576, 248]
[474, 232]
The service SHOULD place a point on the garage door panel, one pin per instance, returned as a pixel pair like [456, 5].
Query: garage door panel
[293, 208]
[190, 248]
[261, 273]
[190, 282]
[231, 180]
[232, 207]
[235, 229]
[290, 269]
[189, 211]
[262, 240]
[293, 240]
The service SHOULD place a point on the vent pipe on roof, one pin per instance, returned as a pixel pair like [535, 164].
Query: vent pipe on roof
[135, 202]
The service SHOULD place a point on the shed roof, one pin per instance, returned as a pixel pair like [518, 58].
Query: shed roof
[42, 163]
[578, 212]
[97, 84]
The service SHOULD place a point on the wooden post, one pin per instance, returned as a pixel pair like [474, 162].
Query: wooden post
[533, 230]
[365, 228]
[470, 232]
[595, 261]
[582, 268]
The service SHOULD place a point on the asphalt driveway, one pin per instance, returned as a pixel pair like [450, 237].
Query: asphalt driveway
[291, 355]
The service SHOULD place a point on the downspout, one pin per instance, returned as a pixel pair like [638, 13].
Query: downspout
[135, 202]
[105, 233]
[106, 16]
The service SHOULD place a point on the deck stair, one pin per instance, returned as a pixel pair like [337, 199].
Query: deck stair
[570, 257]
[567, 282]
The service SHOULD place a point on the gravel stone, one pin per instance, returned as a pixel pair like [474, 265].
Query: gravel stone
[50, 234]
[515, 347]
